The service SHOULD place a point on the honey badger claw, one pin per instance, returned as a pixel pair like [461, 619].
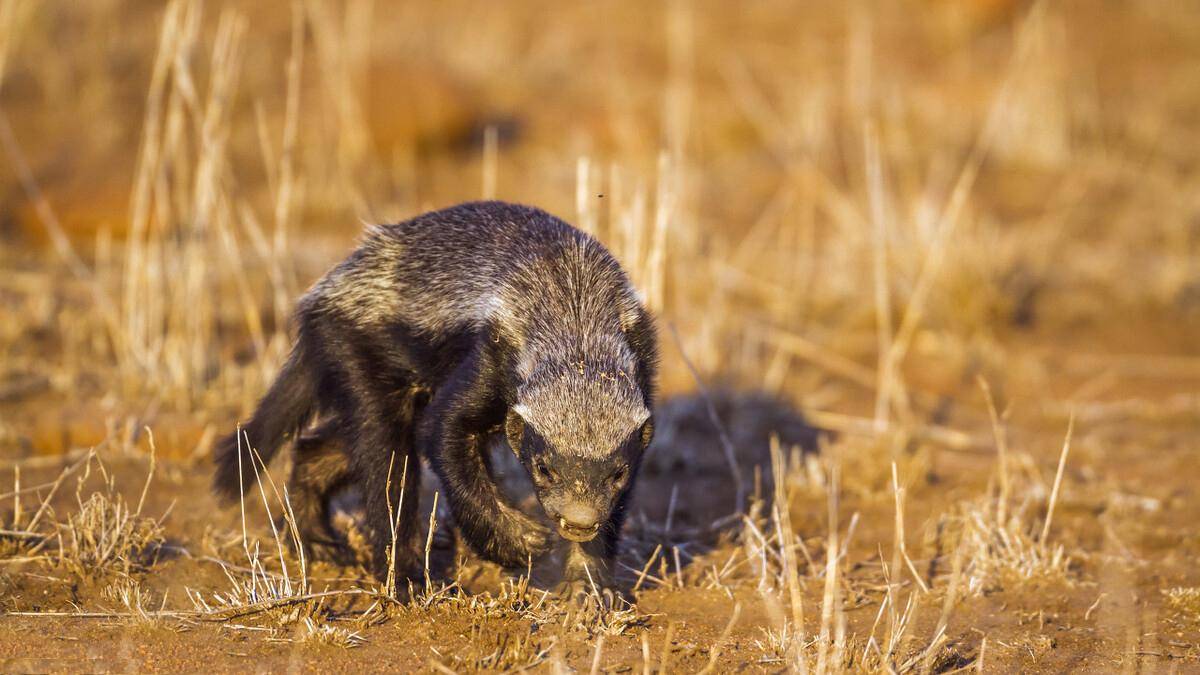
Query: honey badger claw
[441, 330]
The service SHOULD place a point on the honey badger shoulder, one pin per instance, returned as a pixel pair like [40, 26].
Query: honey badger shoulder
[438, 331]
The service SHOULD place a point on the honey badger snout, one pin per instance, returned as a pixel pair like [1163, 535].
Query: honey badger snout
[578, 522]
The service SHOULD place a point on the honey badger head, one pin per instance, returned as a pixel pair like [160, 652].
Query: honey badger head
[580, 429]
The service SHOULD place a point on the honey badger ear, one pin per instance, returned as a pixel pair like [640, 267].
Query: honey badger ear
[514, 429]
[647, 433]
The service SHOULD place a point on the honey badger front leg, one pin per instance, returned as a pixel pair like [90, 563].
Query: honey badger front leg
[452, 435]
[590, 565]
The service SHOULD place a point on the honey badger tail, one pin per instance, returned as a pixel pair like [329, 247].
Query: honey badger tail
[279, 415]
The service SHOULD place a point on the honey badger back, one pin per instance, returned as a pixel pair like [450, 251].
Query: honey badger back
[441, 330]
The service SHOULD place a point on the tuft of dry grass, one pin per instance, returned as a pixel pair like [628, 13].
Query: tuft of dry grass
[589, 615]
[777, 646]
[1006, 555]
[769, 557]
[492, 645]
[129, 594]
[282, 601]
[781, 567]
[105, 534]
[1185, 600]
[1001, 544]
[256, 589]
[327, 635]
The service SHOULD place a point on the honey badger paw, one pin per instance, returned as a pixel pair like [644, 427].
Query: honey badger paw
[536, 539]
[519, 538]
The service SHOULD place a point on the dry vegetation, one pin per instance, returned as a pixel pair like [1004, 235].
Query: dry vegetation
[960, 237]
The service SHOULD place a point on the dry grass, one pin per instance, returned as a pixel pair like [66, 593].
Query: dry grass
[1185, 600]
[134, 599]
[329, 636]
[105, 533]
[865, 210]
[766, 555]
[489, 649]
[102, 534]
[255, 589]
[999, 541]
[275, 592]
[905, 216]
[589, 616]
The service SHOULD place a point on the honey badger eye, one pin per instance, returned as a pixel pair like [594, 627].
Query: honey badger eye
[618, 475]
[542, 471]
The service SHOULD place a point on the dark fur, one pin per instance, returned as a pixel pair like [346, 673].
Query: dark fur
[440, 331]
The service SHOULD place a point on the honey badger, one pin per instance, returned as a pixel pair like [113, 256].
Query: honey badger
[439, 331]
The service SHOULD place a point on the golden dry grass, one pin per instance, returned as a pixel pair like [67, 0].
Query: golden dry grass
[869, 209]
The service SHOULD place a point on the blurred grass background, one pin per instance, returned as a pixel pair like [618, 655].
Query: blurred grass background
[898, 194]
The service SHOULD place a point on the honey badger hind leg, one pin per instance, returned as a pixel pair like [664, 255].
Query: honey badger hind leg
[320, 468]
[390, 492]
[361, 378]
[385, 463]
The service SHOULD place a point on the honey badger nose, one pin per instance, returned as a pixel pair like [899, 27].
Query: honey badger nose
[579, 517]
[578, 522]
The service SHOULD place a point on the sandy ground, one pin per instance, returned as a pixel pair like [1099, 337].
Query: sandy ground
[1126, 527]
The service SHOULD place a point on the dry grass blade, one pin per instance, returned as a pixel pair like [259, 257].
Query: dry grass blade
[599, 651]
[886, 378]
[864, 426]
[787, 536]
[429, 537]
[394, 519]
[830, 601]
[1001, 450]
[664, 662]
[1058, 476]
[901, 547]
